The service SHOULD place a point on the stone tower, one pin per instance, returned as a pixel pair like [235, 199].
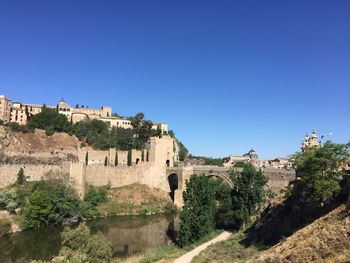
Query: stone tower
[310, 142]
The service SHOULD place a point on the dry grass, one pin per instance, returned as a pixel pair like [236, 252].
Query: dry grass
[325, 240]
[135, 199]
[227, 251]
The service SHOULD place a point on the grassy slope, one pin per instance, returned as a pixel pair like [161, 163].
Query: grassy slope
[325, 240]
[135, 199]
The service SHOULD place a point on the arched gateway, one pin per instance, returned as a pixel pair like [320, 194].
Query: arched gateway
[184, 173]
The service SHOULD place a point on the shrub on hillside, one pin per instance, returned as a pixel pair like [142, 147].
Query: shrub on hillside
[8, 200]
[96, 195]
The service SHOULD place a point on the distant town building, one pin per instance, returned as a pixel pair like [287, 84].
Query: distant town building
[20, 113]
[249, 157]
[280, 163]
[310, 142]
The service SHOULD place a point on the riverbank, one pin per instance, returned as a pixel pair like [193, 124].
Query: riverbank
[131, 200]
[166, 253]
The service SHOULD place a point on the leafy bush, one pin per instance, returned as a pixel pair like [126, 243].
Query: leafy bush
[96, 195]
[8, 200]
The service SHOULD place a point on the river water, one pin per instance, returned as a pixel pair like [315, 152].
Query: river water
[128, 235]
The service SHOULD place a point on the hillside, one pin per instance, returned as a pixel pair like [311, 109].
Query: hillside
[136, 199]
[36, 147]
[325, 240]
[35, 141]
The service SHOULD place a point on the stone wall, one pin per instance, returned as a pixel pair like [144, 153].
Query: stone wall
[116, 176]
[97, 157]
[8, 173]
[279, 178]
[152, 173]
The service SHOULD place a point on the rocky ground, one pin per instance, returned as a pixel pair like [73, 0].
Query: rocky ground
[36, 147]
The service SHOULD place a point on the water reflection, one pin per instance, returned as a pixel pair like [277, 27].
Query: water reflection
[128, 235]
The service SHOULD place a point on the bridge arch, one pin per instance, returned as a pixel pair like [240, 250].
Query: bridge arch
[224, 177]
[173, 181]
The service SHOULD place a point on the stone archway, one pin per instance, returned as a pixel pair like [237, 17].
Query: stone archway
[167, 163]
[173, 181]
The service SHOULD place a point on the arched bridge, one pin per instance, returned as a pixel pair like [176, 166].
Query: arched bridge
[185, 172]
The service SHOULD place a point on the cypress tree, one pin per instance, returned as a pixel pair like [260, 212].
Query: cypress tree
[116, 158]
[129, 158]
[142, 156]
[87, 158]
[21, 179]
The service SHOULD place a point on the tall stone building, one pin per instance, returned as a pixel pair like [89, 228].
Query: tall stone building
[5, 109]
[310, 142]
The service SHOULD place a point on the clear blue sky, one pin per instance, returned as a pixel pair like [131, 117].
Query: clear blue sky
[227, 76]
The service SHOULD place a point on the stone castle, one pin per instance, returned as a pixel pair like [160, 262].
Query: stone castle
[15, 111]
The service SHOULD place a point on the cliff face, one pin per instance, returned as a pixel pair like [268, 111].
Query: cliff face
[35, 141]
[36, 147]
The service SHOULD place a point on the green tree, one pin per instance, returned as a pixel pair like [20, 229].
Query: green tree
[248, 193]
[183, 152]
[53, 201]
[38, 209]
[21, 178]
[80, 246]
[197, 215]
[129, 158]
[50, 121]
[318, 172]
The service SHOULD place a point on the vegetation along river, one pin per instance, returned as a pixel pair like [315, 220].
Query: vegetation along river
[127, 234]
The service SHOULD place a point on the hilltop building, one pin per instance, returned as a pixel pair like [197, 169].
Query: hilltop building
[5, 109]
[310, 142]
[20, 113]
[249, 157]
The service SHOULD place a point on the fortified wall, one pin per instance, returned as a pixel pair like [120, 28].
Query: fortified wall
[161, 154]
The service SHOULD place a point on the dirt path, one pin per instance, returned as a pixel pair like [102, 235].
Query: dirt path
[187, 258]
